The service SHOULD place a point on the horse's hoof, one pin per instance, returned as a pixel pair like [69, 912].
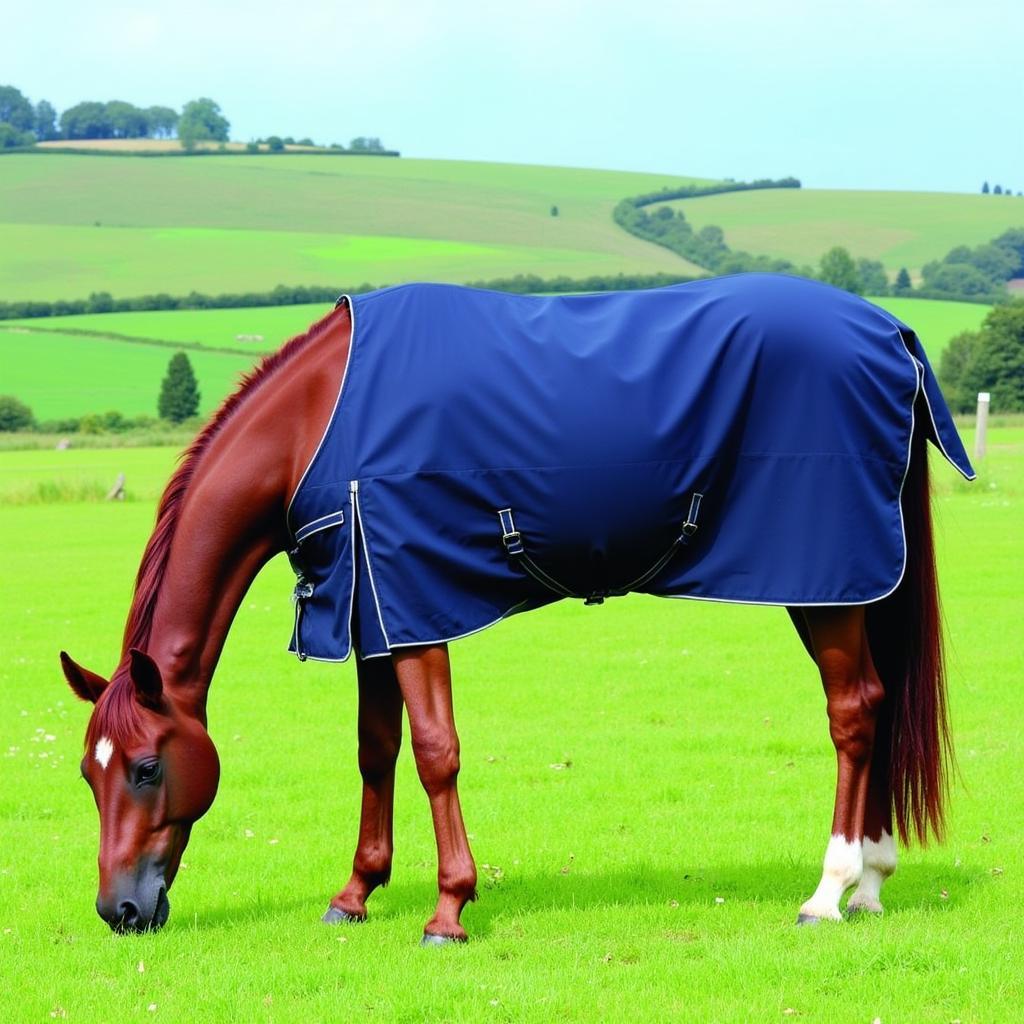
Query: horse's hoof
[336, 916]
[438, 940]
[807, 919]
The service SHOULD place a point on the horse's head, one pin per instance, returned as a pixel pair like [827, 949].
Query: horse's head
[153, 770]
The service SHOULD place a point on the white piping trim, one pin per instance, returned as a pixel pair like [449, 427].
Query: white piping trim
[358, 515]
[479, 629]
[330, 419]
[336, 518]
[353, 529]
[420, 643]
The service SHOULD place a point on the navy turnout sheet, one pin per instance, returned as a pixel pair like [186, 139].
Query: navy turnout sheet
[740, 439]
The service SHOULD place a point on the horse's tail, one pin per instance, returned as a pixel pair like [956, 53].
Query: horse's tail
[905, 634]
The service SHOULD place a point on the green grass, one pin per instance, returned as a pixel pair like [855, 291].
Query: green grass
[252, 330]
[33, 476]
[902, 229]
[71, 225]
[701, 770]
[61, 375]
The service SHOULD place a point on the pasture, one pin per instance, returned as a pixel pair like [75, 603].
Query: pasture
[61, 375]
[902, 229]
[71, 225]
[647, 786]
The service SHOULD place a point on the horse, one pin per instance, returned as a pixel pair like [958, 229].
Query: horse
[229, 508]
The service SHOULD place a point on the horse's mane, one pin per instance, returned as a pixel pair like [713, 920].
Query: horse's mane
[158, 549]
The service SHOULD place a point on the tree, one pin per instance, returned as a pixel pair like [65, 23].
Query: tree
[179, 392]
[126, 120]
[15, 414]
[11, 137]
[998, 190]
[202, 121]
[275, 143]
[872, 277]
[87, 120]
[15, 110]
[163, 122]
[957, 279]
[837, 268]
[903, 283]
[998, 363]
[991, 359]
[956, 358]
[46, 121]
[1013, 240]
[984, 188]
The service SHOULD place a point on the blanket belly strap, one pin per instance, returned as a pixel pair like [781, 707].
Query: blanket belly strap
[512, 541]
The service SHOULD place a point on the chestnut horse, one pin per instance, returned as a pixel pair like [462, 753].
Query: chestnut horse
[153, 768]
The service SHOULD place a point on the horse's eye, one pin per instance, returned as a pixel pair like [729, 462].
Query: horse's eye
[147, 773]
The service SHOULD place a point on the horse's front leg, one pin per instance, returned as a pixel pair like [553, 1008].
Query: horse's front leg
[424, 675]
[380, 736]
[853, 692]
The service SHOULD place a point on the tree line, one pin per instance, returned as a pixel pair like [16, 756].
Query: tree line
[998, 190]
[24, 124]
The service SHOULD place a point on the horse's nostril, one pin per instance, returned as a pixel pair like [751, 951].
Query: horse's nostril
[127, 915]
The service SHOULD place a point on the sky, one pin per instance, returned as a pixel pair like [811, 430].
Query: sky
[877, 94]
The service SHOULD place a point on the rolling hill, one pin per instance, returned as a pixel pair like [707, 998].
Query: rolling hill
[71, 225]
[902, 229]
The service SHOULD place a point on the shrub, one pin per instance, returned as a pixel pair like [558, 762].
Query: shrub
[15, 414]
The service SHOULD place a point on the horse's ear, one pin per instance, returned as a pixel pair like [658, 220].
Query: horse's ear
[87, 685]
[145, 673]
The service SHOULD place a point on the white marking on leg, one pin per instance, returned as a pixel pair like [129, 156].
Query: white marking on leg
[842, 868]
[104, 752]
[879, 864]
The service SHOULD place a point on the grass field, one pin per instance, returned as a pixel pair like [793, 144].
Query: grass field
[902, 229]
[251, 330]
[70, 225]
[61, 375]
[657, 875]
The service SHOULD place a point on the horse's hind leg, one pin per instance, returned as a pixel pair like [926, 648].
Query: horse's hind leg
[380, 736]
[879, 845]
[424, 675]
[853, 692]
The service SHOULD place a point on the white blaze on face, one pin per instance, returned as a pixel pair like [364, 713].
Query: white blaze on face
[104, 752]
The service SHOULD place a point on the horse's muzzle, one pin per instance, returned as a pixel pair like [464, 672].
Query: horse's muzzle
[142, 911]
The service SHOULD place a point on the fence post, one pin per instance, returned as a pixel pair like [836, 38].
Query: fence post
[981, 426]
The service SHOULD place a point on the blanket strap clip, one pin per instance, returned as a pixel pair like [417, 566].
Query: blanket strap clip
[510, 536]
[690, 526]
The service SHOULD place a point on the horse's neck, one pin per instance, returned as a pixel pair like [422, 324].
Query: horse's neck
[232, 519]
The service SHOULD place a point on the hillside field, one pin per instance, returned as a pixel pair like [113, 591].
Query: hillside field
[902, 229]
[59, 375]
[647, 786]
[71, 225]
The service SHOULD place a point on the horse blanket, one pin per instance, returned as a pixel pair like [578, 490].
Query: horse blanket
[737, 439]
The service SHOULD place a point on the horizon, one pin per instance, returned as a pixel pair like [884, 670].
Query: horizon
[834, 100]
